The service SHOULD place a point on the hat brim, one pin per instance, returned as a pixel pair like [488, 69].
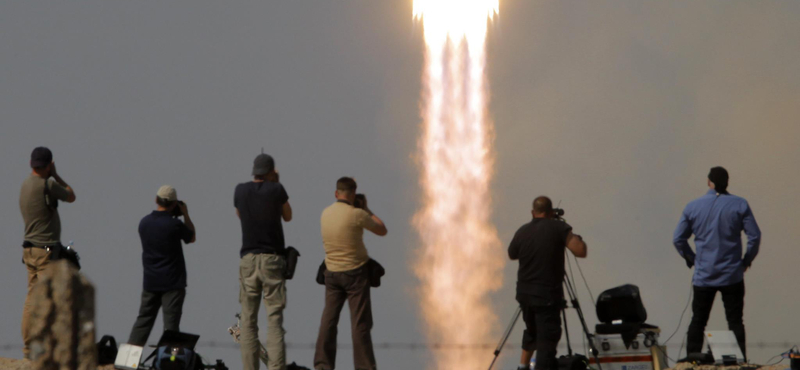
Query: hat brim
[261, 171]
[39, 163]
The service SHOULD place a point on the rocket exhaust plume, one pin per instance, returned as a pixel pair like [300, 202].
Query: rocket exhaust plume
[460, 260]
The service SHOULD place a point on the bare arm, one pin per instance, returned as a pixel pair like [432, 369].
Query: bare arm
[60, 181]
[576, 245]
[188, 221]
[377, 226]
[286, 212]
[237, 214]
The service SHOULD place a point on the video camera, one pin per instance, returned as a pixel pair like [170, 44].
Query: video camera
[558, 214]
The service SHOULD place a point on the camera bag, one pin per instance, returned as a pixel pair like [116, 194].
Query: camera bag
[621, 303]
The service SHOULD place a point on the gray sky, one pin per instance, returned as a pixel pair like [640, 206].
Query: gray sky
[617, 108]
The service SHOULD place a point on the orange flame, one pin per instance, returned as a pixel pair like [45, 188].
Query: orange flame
[460, 260]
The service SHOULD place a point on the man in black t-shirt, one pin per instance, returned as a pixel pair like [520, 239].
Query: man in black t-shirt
[260, 205]
[164, 267]
[539, 246]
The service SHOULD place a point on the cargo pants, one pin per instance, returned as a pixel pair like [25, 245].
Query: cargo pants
[36, 261]
[262, 275]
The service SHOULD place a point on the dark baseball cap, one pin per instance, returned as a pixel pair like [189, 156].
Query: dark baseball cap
[263, 164]
[41, 157]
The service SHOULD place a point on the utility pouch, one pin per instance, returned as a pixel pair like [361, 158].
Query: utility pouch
[321, 273]
[292, 255]
[375, 271]
[59, 252]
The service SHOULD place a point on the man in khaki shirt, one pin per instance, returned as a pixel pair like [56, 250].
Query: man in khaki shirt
[346, 278]
[38, 204]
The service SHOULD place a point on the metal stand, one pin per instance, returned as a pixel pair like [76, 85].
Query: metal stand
[505, 336]
[573, 297]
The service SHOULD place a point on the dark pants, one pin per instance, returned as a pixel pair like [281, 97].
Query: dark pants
[542, 330]
[732, 298]
[352, 286]
[171, 303]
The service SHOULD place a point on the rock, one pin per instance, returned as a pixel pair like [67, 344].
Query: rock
[62, 321]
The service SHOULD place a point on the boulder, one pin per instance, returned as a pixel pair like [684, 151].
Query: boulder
[62, 321]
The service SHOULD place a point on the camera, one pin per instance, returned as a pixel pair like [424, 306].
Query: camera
[176, 212]
[558, 213]
[361, 201]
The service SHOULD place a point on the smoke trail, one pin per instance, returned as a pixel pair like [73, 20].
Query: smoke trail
[461, 260]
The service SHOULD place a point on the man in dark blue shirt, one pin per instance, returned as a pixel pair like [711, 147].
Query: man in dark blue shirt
[717, 220]
[260, 205]
[164, 267]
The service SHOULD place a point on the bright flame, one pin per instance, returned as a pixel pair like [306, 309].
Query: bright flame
[461, 260]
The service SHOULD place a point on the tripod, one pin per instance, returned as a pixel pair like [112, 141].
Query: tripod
[576, 305]
[573, 297]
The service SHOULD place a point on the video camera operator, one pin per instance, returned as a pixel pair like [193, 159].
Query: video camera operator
[164, 266]
[539, 247]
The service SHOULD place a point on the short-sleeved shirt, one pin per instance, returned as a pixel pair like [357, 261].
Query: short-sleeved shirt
[342, 228]
[260, 206]
[162, 253]
[539, 246]
[42, 223]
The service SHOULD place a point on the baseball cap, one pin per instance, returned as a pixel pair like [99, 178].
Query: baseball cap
[263, 164]
[41, 157]
[167, 193]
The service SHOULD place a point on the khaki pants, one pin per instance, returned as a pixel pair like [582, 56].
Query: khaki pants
[36, 260]
[262, 273]
[351, 286]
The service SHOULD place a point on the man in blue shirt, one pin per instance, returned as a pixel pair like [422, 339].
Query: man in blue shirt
[164, 267]
[717, 220]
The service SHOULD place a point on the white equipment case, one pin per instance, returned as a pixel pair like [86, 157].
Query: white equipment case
[614, 355]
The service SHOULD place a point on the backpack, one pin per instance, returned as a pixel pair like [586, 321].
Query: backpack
[176, 358]
[106, 350]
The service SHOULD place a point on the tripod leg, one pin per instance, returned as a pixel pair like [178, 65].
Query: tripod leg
[505, 336]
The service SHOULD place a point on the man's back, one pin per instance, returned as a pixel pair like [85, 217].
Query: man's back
[540, 246]
[42, 224]
[162, 253]
[717, 222]
[259, 205]
[342, 227]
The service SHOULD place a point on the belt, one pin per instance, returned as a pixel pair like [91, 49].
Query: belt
[269, 252]
[28, 244]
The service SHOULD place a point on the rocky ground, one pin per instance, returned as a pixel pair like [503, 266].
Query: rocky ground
[14, 364]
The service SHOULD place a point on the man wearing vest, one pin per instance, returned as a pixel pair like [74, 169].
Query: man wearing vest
[38, 203]
[260, 205]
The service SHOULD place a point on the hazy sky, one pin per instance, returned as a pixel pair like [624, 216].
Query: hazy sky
[617, 108]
